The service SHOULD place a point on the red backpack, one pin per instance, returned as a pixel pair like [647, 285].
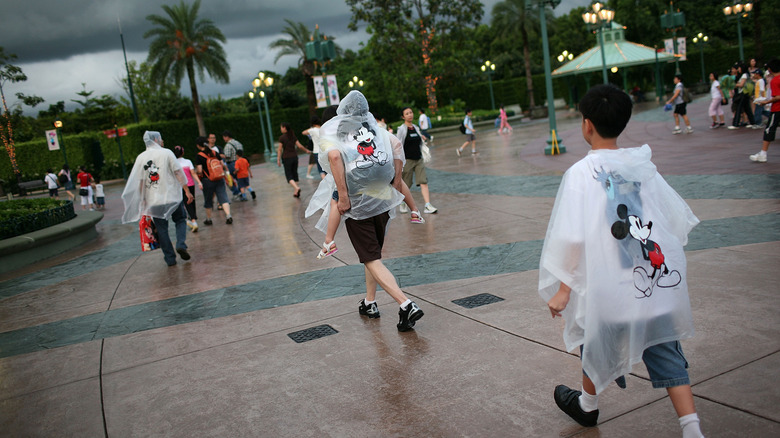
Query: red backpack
[214, 165]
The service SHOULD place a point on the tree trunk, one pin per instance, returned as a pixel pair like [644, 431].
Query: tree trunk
[529, 82]
[310, 95]
[8, 138]
[195, 100]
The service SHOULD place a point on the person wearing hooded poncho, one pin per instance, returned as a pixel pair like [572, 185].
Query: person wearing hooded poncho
[613, 266]
[154, 188]
[361, 166]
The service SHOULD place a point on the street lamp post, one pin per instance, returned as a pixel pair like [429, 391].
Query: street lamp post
[260, 82]
[58, 125]
[600, 19]
[554, 143]
[739, 11]
[673, 21]
[488, 67]
[256, 97]
[356, 83]
[321, 51]
[700, 39]
[564, 57]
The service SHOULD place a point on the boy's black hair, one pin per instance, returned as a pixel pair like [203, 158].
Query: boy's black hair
[774, 65]
[329, 113]
[422, 110]
[608, 108]
[468, 110]
[49, 170]
[239, 153]
[314, 121]
[679, 76]
[227, 133]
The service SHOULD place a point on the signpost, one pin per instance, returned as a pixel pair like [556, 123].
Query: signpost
[116, 133]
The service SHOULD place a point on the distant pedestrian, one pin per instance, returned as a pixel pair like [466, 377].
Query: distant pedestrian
[742, 99]
[471, 136]
[314, 135]
[212, 173]
[85, 188]
[53, 183]
[229, 150]
[243, 174]
[412, 140]
[504, 121]
[192, 178]
[100, 195]
[774, 119]
[425, 124]
[716, 103]
[154, 188]
[66, 181]
[680, 106]
[288, 155]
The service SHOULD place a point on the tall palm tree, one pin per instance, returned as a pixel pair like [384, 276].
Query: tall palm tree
[183, 43]
[509, 17]
[296, 46]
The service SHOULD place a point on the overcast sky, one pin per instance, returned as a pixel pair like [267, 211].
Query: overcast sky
[61, 44]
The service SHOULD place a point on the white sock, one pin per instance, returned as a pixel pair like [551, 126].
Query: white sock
[690, 426]
[405, 304]
[589, 403]
[677, 127]
[368, 303]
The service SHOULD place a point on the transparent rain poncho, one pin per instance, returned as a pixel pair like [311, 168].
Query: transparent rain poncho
[616, 237]
[154, 187]
[367, 153]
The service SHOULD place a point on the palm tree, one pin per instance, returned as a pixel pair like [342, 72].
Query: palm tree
[508, 17]
[296, 45]
[183, 43]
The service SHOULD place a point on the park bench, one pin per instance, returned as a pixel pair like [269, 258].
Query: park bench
[30, 186]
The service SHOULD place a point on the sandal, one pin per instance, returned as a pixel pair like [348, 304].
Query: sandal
[297, 193]
[417, 218]
[327, 249]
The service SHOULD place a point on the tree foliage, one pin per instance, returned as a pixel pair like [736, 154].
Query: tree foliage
[183, 44]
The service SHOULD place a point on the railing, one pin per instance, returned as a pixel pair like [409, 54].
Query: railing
[27, 223]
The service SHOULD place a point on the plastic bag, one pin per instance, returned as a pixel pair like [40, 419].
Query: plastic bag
[426, 153]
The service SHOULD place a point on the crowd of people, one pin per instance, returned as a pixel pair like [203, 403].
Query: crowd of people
[752, 94]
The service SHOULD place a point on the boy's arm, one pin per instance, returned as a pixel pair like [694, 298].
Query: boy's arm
[559, 301]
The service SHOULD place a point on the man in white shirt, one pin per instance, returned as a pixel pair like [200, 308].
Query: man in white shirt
[425, 125]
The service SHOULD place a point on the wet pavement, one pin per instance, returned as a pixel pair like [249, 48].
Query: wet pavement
[108, 341]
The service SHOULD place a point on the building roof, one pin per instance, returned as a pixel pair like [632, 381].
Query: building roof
[617, 53]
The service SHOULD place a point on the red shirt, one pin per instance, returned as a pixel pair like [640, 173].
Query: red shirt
[242, 168]
[774, 85]
[84, 178]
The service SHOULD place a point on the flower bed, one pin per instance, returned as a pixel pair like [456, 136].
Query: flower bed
[23, 216]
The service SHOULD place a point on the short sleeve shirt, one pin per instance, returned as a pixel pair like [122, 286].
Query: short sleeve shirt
[84, 178]
[679, 99]
[774, 87]
[242, 168]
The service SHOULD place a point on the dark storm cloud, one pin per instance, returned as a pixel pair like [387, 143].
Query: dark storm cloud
[38, 30]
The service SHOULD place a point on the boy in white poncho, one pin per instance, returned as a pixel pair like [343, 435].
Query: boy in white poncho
[613, 266]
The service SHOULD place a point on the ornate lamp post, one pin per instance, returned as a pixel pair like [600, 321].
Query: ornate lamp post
[321, 50]
[58, 125]
[673, 21]
[739, 10]
[554, 143]
[564, 57]
[700, 39]
[356, 82]
[260, 82]
[488, 67]
[600, 19]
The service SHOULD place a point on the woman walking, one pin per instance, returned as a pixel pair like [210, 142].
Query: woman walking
[504, 121]
[212, 172]
[717, 102]
[287, 155]
[66, 181]
[192, 178]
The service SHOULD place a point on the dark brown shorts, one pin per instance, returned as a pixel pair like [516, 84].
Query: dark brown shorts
[368, 236]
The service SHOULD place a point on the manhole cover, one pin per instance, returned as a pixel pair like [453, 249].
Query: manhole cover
[312, 333]
[477, 300]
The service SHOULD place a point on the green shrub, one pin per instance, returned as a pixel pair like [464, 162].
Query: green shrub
[23, 216]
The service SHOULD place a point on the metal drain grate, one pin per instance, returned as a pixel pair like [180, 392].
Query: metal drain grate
[312, 333]
[477, 300]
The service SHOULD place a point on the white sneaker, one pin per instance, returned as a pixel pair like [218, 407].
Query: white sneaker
[676, 130]
[689, 130]
[308, 176]
[759, 157]
[430, 209]
[403, 208]
[733, 127]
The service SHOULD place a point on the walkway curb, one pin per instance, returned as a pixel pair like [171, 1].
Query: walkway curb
[32, 247]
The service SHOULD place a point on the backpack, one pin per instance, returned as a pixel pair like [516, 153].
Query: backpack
[462, 128]
[215, 170]
[686, 96]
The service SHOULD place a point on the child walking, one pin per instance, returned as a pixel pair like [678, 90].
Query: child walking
[613, 266]
[243, 173]
[100, 196]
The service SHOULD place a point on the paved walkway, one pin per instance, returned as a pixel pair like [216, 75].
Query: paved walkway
[109, 341]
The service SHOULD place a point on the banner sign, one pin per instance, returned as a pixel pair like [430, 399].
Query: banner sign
[52, 140]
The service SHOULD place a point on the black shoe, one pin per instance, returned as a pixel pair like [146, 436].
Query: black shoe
[254, 195]
[370, 311]
[207, 222]
[229, 220]
[408, 317]
[183, 253]
[569, 401]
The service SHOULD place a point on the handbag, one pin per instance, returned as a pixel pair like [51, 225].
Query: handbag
[83, 191]
[724, 101]
[426, 153]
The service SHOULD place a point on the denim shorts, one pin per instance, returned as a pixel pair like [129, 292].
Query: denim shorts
[665, 364]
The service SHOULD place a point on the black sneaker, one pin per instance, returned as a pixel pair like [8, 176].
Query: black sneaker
[229, 220]
[408, 317]
[254, 195]
[207, 222]
[183, 253]
[569, 401]
[370, 311]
